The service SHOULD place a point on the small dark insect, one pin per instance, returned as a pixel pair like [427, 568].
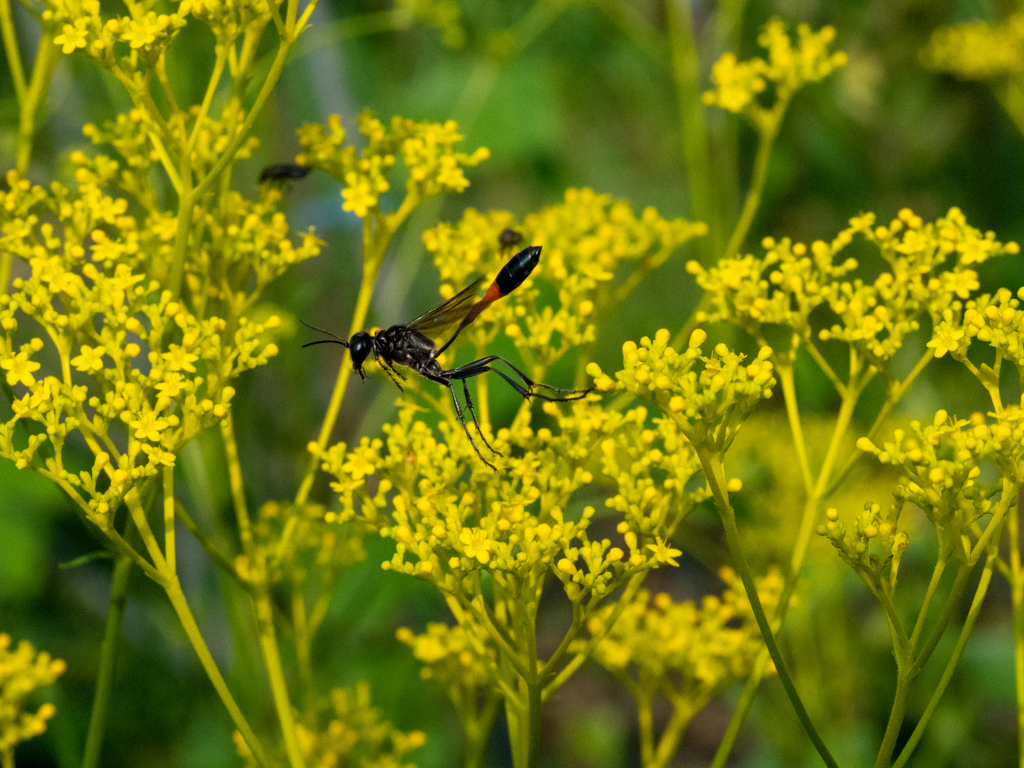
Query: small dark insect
[284, 172]
[407, 344]
[508, 238]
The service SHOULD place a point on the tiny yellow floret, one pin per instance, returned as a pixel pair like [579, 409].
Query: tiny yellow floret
[565, 566]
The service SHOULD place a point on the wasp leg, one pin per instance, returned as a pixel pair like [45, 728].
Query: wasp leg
[526, 389]
[443, 381]
[390, 370]
[472, 411]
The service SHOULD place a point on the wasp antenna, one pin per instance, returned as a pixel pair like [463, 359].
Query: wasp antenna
[326, 341]
[335, 339]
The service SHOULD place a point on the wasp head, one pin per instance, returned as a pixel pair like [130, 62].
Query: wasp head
[360, 346]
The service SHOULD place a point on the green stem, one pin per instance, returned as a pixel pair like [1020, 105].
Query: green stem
[526, 631]
[692, 131]
[746, 701]
[47, 56]
[237, 484]
[902, 647]
[635, 582]
[682, 714]
[264, 606]
[170, 548]
[533, 720]
[188, 623]
[893, 399]
[478, 731]
[275, 674]
[714, 471]
[645, 723]
[10, 38]
[186, 207]
[950, 606]
[766, 138]
[108, 657]
[784, 371]
[211, 89]
[138, 513]
[1017, 602]
[302, 639]
[896, 716]
[954, 660]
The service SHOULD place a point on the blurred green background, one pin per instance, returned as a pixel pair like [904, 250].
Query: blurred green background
[585, 98]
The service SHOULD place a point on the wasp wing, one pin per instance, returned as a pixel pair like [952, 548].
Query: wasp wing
[449, 313]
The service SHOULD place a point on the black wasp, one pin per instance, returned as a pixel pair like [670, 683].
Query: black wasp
[408, 344]
[284, 172]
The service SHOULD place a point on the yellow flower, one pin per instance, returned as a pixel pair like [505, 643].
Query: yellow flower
[736, 82]
[72, 37]
[158, 455]
[171, 386]
[180, 360]
[148, 426]
[90, 360]
[19, 369]
[663, 553]
[476, 544]
[22, 671]
[961, 282]
[140, 32]
[359, 466]
[359, 195]
[450, 175]
[947, 339]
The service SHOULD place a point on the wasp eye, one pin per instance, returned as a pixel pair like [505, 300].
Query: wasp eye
[359, 346]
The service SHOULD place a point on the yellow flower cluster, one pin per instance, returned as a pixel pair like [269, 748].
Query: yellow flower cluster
[78, 25]
[22, 671]
[136, 372]
[650, 469]
[942, 463]
[978, 50]
[139, 137]
[237, 239]
[292, 542]
[723, 389]
[995, 320]
[427, 150]
[355, 735]
[586, 239]
[515, 525]
[453, 657]
[228, 20]
[875, 541]
[738, 83]
[792, 279]
[783, 287]
[686, 652]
